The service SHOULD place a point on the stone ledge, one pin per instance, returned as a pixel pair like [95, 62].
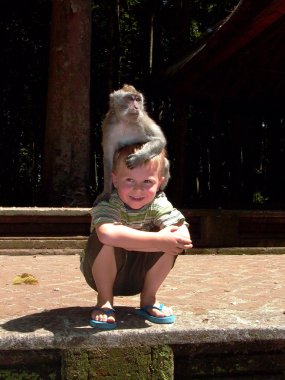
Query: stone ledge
[194, 251]
[11, 211]
[16, 246]
[40, 251]
[43, 242]
[211, 228]
[44, 211]
[239, 251]
[71, 334]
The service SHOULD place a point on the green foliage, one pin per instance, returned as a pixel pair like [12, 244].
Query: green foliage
[258, 198]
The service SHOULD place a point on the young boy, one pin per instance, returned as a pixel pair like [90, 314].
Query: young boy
[134, 242]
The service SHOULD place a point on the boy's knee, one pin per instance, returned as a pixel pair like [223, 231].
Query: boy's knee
[93, 243]
[93, 247]
[167, 259]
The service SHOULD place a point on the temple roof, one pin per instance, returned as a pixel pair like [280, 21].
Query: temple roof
[241, 61]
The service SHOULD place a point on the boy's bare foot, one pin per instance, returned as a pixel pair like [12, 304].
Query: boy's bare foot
[103, 314]
[146, 301]
[157, 311]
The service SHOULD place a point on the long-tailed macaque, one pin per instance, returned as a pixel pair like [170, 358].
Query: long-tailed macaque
[126, 123]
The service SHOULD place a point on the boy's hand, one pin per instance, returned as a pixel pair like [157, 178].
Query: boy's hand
[173, 241]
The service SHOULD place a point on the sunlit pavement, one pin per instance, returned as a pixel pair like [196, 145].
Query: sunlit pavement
[214, 298]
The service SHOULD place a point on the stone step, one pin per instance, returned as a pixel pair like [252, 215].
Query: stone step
[209, 228]
[42, 251]
[74, 242]
[42, 245]
[73, 245]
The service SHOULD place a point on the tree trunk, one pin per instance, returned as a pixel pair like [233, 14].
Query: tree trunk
[67, 138]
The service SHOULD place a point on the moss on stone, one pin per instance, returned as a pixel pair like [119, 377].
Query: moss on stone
[140, 363]
[162, 363]
[75, 365]
[21, 374]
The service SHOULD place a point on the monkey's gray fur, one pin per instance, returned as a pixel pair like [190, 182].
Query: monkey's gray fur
[127, 123]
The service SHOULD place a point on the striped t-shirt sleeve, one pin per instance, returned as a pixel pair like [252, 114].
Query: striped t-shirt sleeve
[165, 214]
[104, 212]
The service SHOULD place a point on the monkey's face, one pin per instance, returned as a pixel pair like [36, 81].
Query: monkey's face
[133, 104]
[128, 105]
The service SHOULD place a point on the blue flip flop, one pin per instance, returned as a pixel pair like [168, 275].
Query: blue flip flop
[143, 312]
[102, 324]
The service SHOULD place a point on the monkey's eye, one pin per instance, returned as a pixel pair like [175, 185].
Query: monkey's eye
[133, 98]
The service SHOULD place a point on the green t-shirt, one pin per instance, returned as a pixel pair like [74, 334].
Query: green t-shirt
[156, 215]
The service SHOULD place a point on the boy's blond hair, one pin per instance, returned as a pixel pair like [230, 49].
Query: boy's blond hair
[122, 153]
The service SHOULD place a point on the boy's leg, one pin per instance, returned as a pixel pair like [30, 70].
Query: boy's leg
[153, 280]
[104, 272]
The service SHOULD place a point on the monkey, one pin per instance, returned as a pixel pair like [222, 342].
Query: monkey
[126, 123]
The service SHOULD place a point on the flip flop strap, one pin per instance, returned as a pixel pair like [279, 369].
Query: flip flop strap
[160, 307]
[106, 311]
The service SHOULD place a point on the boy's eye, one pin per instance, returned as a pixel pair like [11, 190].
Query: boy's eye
[148, 182]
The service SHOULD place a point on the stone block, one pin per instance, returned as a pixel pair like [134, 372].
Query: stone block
[140, 363]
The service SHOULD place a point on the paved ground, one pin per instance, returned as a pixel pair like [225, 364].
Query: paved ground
[213, 297]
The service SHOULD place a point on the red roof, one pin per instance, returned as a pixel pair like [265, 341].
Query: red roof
[242, 61]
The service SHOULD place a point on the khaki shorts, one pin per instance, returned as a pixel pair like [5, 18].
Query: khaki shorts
[131, 267]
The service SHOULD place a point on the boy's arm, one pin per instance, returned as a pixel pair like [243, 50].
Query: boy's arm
[165, 240]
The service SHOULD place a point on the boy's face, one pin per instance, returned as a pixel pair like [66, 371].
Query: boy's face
[137, 187]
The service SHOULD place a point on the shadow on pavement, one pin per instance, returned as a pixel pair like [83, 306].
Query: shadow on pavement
[70, 320]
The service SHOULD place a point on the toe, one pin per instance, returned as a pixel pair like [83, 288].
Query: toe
[99, 315]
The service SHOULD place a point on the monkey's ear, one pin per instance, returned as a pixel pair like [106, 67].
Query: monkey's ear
[111, 98]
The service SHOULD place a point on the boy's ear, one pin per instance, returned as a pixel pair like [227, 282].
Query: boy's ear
[114, 179]
[161, 182]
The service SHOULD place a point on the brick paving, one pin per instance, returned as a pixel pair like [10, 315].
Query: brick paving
[207, 292]
[206, 286]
